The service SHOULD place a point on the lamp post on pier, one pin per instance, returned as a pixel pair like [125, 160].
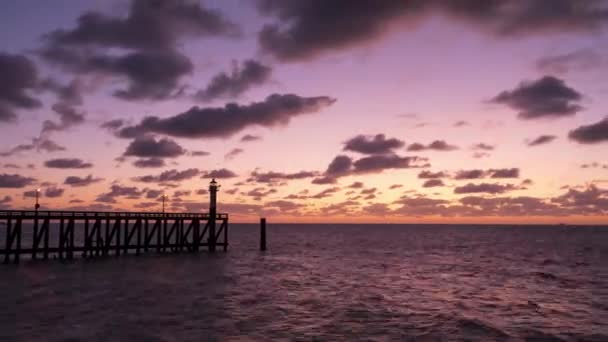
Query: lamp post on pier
[37, 205]
[164, 198]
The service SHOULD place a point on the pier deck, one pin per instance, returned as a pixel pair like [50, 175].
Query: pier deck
[61, 234]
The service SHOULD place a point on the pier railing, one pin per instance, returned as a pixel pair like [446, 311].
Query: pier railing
[61, 234]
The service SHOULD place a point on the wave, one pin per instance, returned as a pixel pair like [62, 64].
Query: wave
[477, 328]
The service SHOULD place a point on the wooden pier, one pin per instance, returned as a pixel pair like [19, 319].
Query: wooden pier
[63, 234]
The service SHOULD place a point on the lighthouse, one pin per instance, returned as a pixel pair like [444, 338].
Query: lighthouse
[213, 188]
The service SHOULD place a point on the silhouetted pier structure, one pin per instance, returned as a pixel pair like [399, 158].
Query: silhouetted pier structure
[63, 234]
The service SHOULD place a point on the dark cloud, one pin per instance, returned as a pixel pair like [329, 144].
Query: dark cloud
[18, 149]
[339, 166]
[591, 134]
[469, 174]
[6, 199]
[152, 25]
[504, 173]
[233, 153]
[113, 125]
[344, 165]
[437, 145]
[356, 185]
[527, 182]
[368, 191]
[250, 138]
[68, 95]
[483, 147]
[219, 174]
[169, 176]
[68, 117]
[428, 174]
[306, 29]
[302, 30]
[15, 181]
[19, 78]
[546, 97]
[47, 145]
[461, 123]
[232, 85]
[67, 163]
[37, 144]
[591, 200]
[419, 206]
[53, 192]
[181, 193]
[395, 186]
[199, 153]
[232, 191]
[147, 146]
[490, 188]
[579, 60]
[509, 206]
[30, 194]
[259, 193]
[378, 163]
[149, 163]
[492, 173]
[81, 181]
[153, 193]
[284, 206]
[368, 144]
[325, 193]
[594, 165]
[541, 140]
[117, 190]
[151, 75]
[225, 121]
[202, 192]
[147, 37]
[479, 155]
[431, 183]
[273, 177]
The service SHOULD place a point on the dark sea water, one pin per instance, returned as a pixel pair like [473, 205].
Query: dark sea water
[327, 283]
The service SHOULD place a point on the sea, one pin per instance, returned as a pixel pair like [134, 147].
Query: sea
[326, 282]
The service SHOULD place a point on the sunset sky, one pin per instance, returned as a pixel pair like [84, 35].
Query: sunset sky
[431, 111]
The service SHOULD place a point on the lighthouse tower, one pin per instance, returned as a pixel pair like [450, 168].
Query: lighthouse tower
[213, 188]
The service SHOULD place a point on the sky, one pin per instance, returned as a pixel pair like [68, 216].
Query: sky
[357, 111]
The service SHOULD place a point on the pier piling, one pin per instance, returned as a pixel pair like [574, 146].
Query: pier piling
[262, 234]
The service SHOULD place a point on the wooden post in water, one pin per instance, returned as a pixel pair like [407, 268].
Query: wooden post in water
[262, 234]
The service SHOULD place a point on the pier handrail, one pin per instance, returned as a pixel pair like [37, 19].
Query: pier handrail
[102, 214]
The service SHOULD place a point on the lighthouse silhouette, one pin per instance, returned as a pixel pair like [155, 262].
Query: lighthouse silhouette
[213, 188]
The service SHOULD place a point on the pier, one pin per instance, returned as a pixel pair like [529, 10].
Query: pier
[63, 234]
